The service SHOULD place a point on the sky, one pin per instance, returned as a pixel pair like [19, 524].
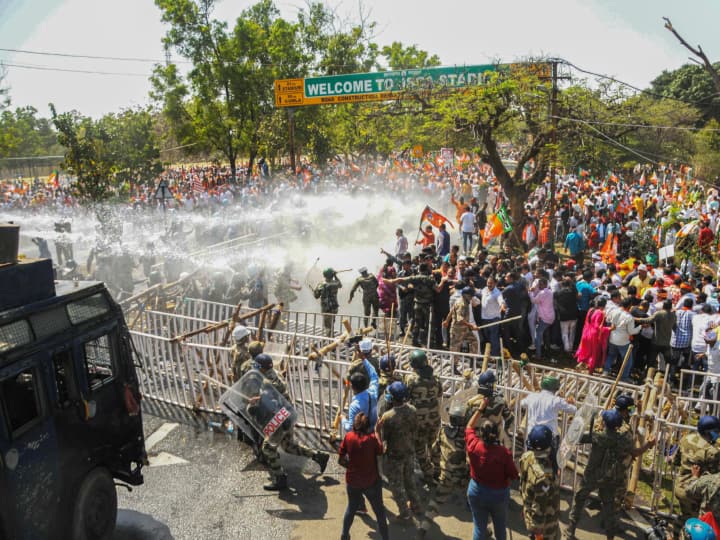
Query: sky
[621, 38]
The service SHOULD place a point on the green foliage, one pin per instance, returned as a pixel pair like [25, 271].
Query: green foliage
[692, 84]
[87, 155]
[23, 133]
[707, 158]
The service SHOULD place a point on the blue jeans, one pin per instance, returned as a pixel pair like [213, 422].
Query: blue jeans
[492, 335]
[355, 499]
[618, 351]
[539, 331]
[467, 241]
[486, 503]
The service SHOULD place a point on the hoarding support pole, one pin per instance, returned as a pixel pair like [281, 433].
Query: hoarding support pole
[291, 137]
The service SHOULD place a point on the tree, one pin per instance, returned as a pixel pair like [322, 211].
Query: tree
[87, 155]
[399, 56]
[4, 90]
[707, 158]
[697, 51]
[690, 84]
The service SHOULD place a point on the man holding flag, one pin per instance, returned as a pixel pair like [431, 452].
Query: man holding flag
[497, 224]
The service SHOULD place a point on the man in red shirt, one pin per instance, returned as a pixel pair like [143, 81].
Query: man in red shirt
[428, 238]
[491, 471]
[705, 239]
[358, 453]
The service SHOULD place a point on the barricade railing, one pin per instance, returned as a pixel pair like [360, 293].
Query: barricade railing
[175, 371]
[699, 391]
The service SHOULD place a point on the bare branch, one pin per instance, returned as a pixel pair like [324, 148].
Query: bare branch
[697, 52]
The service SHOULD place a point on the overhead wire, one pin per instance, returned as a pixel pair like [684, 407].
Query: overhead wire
[70, 70]
[618, 143]
[646, 126]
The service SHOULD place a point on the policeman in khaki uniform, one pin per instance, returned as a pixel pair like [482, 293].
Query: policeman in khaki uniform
[393, 430]
[459, 319]
[388, 375]
[371, 302]
[696, 449]
[240, 353]
[706, 489]
[327, 293]
[425, 393]
[606, 471]
[264, 364]
[454, 471]
[496, 410]
[540, 486]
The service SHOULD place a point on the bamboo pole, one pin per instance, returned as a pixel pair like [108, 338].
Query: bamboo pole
[619, 376]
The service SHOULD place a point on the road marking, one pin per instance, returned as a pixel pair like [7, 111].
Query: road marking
[163, 458]
[162, 432]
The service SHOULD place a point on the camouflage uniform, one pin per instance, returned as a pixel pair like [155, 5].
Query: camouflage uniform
[284, 291]
[241, 360]
[605, 470]
[497, 412]
[386, 379]
[397, 424]
[425, 392]
[693, 450]
[459, 333]
[540, 491]
[454, 472]
[327, 293]
[424, 287]
[706, 489]
[288, 443]
[370, 298]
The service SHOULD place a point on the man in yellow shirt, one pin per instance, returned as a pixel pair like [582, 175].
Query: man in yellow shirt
[641, 281]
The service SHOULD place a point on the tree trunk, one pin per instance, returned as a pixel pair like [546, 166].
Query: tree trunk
[517, 197]
[233, 167]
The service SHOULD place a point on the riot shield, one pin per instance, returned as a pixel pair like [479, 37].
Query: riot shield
[253, 399]
[575, 430]
[461, 396]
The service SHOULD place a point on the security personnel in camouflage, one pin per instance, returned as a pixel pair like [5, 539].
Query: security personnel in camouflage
[388, 375]
[327, 293]
[394, 429]
[371, 301]
[285, 288]
[696, 449]
[454, 471]
[540, 486]
[624, 404]
[605, 470]
[240, 353]
[461, 336]
[425, 288]
[706, 489]
[425, 393]
[264, 364]
[496, 410]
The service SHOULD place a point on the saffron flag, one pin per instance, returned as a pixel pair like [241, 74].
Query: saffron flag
[497, 224]
[609, 248]
[434, 218]
[53, 179]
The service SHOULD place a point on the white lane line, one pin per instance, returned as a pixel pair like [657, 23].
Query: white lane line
[163, 458]
[162, 432]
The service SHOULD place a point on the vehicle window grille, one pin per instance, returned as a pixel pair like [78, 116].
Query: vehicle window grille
[98, 361]
[14, 335]
[21, 399]
[49, 322]
[87, 308]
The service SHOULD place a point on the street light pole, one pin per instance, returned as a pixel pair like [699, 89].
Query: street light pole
[553, 152]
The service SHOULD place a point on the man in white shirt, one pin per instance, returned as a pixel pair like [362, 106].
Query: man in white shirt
[623, 326]
[493, 304]
[467, 227]
[401, 245]
[698, 345]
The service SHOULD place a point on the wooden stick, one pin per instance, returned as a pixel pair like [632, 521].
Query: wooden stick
[261, 324]
[222, 324]
[635, 473]
[486, 358]
[619, 376]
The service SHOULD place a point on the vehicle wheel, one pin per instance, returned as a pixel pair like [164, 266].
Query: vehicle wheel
[95, 509]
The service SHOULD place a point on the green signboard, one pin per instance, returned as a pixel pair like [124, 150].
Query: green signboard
[383, 85]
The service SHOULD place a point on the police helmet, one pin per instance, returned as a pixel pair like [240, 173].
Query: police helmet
[695, 529]
[397, 392]
[456, 414]
[551, 383]
[387, 362]
[708, 424]
[239, 333]
[154, 277]
[263, 361]
[255, 348]
[366, 346]
[363, 270]
[539, 438]
[328, 272]
[624, 402]
[418, 359]
[486, 383]
[612, 418]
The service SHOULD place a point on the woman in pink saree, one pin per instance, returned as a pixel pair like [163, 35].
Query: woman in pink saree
[593, 344]
[387, 291]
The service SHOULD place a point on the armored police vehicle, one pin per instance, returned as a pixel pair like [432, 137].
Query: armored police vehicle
[70, 422]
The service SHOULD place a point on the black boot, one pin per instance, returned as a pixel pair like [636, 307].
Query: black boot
[278, 482]
[321, 458]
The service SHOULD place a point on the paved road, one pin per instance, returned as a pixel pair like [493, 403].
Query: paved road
[203, 485]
